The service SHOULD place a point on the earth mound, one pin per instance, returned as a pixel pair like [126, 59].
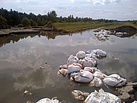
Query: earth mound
[124, 31]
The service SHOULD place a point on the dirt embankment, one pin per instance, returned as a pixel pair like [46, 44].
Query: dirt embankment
[124, 31]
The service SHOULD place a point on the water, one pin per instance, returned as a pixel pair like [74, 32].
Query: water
[22, 56]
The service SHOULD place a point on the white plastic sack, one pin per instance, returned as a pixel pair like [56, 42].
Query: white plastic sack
[100, 54]
[96, 82]
[91, 69]
[47, 100]
[88, 55]
[114, 80]
[96, 72]
[99, 74]
[74, 67]
[88, 62]
[82, 76]
[89, 51]
[72, 59]
[63, 72]
[102, 97]
[81, 54]
[63, 66]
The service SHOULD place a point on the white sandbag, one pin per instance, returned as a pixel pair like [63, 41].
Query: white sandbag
[96, 82]
[74, 68]
[89, 51]
[91, 54]
[88, 62]
[114, 80]
[81, 54]
[47, 100]
[88, 55]
[102, 97]
[63, 72]
[65, 66]
[82, 76]
[100, 54]
[115, 76]
[96, 72]
[99, 74]
[91, 69]
[72, 59]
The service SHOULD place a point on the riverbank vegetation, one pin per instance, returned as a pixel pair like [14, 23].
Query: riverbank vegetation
[10, 19]
[80, 26]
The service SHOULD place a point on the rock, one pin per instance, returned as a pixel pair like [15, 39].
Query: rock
[133, 84]
[127, 89]
[125, 96]
[27, 93]
[126, 93]
[79, 95]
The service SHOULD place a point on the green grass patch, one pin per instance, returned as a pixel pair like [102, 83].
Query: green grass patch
[80, 26]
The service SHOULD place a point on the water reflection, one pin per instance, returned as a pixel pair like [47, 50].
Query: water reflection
[22, 56]
[15, 38]
[34, 79]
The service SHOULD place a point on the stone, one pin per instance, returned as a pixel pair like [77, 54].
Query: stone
[125, 96]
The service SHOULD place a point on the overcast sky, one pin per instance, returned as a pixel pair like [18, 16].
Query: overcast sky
[96, 9]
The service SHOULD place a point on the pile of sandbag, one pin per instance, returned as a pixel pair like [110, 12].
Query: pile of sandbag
[82, 68]
[88, 58]
[102, 35]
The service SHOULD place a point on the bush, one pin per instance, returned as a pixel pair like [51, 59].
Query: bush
[3, 23]
[26, 22]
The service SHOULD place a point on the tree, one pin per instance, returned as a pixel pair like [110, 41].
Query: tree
[3, 22]
[135, 22]
[33, 23]
[14, 18]
[52, 16]
[26, 22]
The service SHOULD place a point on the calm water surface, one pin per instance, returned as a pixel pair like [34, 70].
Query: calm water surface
[21, 57]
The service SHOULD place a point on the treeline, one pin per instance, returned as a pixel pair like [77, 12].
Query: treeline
[14, 18]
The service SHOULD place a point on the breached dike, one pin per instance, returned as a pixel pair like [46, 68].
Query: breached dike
[122, 31]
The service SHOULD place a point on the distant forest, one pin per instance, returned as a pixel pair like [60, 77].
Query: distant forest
[14, 18]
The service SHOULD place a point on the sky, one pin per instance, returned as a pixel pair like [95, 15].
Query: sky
[96, 9]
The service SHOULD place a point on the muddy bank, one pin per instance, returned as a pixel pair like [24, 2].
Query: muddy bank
[6, 32]
[124, 31]
[23, 30]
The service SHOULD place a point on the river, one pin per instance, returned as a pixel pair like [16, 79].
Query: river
[22, 56]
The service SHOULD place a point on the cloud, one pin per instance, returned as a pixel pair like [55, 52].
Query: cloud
[34, 79]
[103, 2]
[72, 1]
[25, 0]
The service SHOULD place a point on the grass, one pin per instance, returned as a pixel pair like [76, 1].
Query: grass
[80, 26]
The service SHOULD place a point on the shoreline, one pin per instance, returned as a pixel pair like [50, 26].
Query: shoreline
[64, 28]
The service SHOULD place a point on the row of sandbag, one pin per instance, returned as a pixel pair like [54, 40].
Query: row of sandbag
[91, 75]
[88, 58]
[83, 70]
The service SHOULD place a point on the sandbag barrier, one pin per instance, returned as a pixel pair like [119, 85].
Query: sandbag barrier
[82, 68]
